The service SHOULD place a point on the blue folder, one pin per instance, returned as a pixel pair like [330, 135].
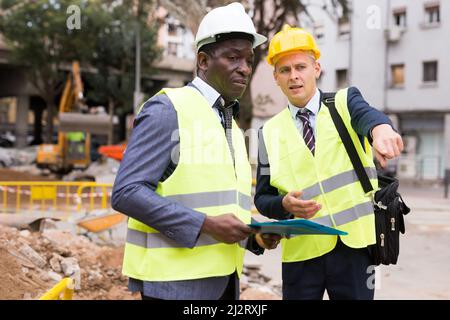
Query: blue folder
[295, 227]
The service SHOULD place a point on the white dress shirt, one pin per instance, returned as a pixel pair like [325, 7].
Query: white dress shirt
[210, 94]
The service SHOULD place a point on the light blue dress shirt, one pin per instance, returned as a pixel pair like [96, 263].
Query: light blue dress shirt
[313, 106]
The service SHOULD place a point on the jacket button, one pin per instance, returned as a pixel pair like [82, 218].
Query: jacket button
[169, 234]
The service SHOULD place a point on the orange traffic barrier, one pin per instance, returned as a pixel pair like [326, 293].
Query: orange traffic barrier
[101, 223]
[113, 151]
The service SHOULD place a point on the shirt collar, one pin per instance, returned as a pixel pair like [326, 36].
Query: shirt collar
[211, 95]
[312, 105]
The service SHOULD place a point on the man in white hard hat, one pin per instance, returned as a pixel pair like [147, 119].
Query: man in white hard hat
[185, 179]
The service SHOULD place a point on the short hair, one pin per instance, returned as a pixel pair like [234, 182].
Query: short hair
[209, 48]
[311, 53]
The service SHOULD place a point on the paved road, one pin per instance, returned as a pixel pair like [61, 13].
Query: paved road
[422, 271]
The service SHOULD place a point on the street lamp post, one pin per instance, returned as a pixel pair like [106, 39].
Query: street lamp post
[137, 97]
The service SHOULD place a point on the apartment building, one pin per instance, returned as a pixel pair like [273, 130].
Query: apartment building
[177, 64]
[175, 68]
[396, 53]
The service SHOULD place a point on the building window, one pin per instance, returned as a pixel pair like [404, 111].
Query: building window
[172, 29]
[430, 71]
[319, 31]
[343, 26]
[432, 13]
[3, 112]
[400, 17]
[172, 49]
[397, 75]
[341, 78]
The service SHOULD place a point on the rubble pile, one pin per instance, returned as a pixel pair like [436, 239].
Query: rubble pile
[23, 162]
[33, 262]
[17, 157]
[255, 285]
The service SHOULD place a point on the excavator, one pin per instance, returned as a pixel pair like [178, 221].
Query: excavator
[73, 148]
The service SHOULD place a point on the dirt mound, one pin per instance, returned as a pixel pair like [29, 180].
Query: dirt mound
[15, 278]
[31, 263]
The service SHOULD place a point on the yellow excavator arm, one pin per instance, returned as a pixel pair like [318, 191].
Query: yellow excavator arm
[73, 148]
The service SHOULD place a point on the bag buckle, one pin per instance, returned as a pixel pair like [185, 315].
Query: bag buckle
[379, 204]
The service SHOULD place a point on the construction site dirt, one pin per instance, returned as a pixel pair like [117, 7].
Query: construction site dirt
[14, 175]
[33, 260]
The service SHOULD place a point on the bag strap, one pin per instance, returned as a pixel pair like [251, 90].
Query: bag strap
[328, 99]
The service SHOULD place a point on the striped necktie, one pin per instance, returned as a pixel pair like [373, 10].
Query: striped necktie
[227, 116]
[308, 134]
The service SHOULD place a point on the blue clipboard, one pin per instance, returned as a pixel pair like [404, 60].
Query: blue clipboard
[295, 227]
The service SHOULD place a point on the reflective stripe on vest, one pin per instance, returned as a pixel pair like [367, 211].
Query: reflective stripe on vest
[338, 181]
[212, 199]
[158, 240]
[346, 216]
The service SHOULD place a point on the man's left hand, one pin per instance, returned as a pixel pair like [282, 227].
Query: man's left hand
[267, 240]
[387, 143]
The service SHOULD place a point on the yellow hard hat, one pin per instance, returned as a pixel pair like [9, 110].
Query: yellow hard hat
[291, 39]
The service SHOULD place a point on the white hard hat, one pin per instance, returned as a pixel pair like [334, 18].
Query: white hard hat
[226, 19]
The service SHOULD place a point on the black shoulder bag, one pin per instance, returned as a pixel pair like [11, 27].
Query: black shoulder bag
[389, 206]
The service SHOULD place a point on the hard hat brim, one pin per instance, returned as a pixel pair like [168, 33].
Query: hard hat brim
[273, 60]
[258, 39]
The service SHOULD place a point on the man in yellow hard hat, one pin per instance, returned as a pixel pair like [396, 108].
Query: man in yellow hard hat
[185, 178]
[304, 172]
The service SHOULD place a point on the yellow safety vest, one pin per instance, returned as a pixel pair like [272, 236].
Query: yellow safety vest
[205, 180]
[328, 178]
